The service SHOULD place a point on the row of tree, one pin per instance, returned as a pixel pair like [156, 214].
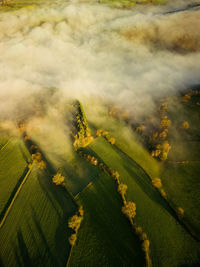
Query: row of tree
[36, 156]
[74, 223]
[106, 135]
[128, 208]
[81, 133]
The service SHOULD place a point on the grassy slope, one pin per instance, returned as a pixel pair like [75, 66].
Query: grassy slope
[13, 161]
[126, 139]
[105, 237]
[61, 155]
[12, 5]
[171, 245]
[35, 232]
[3, 141]
[181, 182]
[182, 185]
[78, 173]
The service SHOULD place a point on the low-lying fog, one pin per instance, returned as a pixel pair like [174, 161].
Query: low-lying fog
[89, 49]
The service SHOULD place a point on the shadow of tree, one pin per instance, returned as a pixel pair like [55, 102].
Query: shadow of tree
[23, 153]
[21, 251]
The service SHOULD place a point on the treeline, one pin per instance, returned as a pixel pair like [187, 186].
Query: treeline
[128, 208]
[36, 155]
[155, 128]
[81, 133]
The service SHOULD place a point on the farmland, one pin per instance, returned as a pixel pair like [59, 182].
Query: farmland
[11, 174]
[105, 227]
[36, 227]
[153, 214]
[99, 133]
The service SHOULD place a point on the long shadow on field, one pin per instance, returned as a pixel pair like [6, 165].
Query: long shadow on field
[13, 193]
[55, 193]
[21, 252]
[23, 153]
[58, 254]
[102, 206]
[33, 148]
[142, 181]
[1, 263]
[54, 259]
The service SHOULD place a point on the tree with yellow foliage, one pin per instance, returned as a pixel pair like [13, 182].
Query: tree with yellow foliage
[58, 179]
[129, 209]
[140, 129]
[104, 133]
[42, 164]
[99, 132]
[180, 211]
[186, 98]
[156, 182]
[185, 125]
[37, 157]
[112, 141]
[75, 222]
[165, 122]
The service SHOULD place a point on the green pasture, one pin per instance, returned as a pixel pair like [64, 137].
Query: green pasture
[35, 232]
[14, 159]
[105, 237]
[171, 244]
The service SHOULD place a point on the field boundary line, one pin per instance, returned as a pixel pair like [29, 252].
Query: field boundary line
[106, 171]
[183, 162]
[68, 260]
[5, 145]
[15, 196]
[88, 185]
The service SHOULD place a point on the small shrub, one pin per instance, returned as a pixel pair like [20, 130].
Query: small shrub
[30, 165]
[180, 211]
[185, 125]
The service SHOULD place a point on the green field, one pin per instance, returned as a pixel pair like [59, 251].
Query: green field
[3, 142]
[126, 139]
[79, 173]
[13, 162]
[171, 245]
[105, 237]
[181, 183]
[35, 232]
